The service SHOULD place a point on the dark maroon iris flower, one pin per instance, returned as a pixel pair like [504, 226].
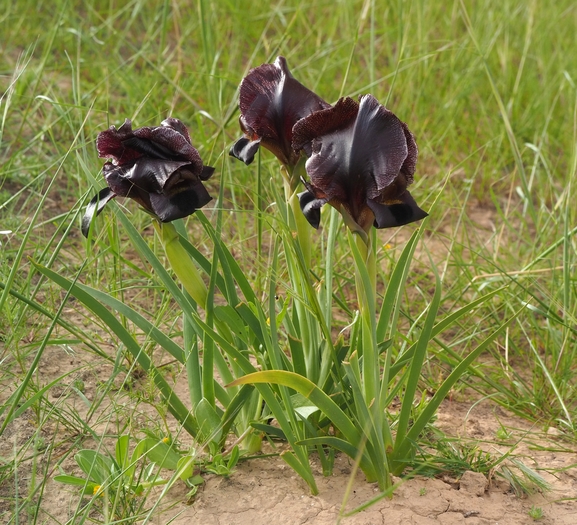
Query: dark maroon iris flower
[271, 102]
[157, 167]
[361, 158]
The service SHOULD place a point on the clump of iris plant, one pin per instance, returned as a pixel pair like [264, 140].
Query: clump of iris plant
[158, 167]
[361, 158]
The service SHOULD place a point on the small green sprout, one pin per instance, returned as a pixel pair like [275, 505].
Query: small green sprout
[502, 433]
[536, 513]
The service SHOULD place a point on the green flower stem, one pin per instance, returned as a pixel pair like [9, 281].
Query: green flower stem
[190, 279]
[327, 298]
[303, 229]
[307, 327]
[365, 280]
[299, 266]
[292, 176]
[365, 268]
[181, 263]
[297, 221]
[193, 367]
[376, 427]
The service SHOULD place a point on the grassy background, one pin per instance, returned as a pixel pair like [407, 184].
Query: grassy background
[488, 88]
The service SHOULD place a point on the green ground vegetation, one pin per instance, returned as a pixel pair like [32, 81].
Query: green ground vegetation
[488, 88]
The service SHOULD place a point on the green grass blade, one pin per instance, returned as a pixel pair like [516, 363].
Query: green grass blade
[431, 407]
[140, 321]
[416, 366]
[144, 250]
[302, 469]
[395, 287]
[232, 272]
[14, 399]
[441, 326]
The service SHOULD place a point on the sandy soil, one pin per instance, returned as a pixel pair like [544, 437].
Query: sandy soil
[267, 491]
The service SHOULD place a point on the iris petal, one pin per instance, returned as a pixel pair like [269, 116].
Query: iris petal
[410, 164]
[360, 157]
[153, 174]
[175, 142]
[379, 146]
[271, 102]
[122, 186]
[311, 207]
[398, 213]
[147, 147]
[109, 144]
[179, 204]
[206, 173]
[245, 149]
[95, 206]
[351, 144]
[156, 166]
